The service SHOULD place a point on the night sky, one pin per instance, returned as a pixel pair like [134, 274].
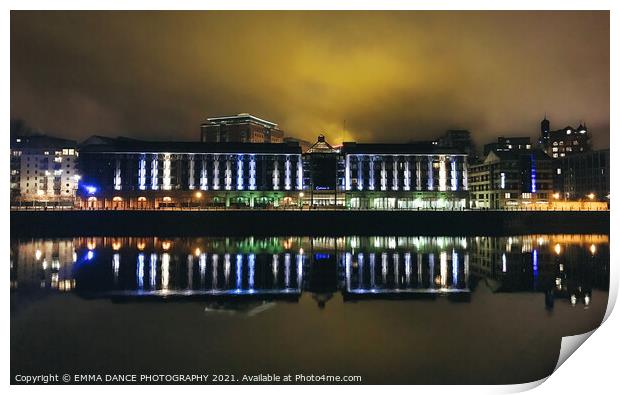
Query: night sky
[393, 76]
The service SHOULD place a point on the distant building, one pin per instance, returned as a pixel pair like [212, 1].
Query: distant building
[43, 170]
[511, 179]
[305, 145]
[563, 142]
[242, 128]
[459, 139]
[583, 176]
[505, 144]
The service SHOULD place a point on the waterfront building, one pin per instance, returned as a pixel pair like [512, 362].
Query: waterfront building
[125, 173]
[403, 176]
[324, 166]
[505, 144]
[512, 179]
[43, 171]
[563, 142]
[242, 128]
[583, 176]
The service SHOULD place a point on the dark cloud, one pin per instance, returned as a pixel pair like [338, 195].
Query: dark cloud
[392, 76]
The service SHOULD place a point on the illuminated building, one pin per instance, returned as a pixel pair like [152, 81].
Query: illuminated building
[125, 173]
[43, 171]
[242, 128]
[563, 142]
[513, 179]
[403, 176]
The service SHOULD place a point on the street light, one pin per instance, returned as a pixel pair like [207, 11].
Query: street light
[198, 195]
[556, 195]
[591, 196]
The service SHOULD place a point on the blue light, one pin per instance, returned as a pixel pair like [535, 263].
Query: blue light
[90, 255]
[91, 189]
[533, 174]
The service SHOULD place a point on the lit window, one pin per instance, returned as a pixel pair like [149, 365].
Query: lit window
[559, 171]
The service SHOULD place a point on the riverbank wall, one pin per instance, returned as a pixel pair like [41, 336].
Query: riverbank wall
[300, 223]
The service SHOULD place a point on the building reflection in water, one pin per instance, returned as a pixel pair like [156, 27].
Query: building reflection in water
[559, 266]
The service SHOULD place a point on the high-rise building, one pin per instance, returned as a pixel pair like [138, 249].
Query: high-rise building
[43, 170]
[563, 142]
[242, 128]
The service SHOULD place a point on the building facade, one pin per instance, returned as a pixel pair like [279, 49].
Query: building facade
[563, 142]
[139, 174]
[43, 171]
[403, 176]
[584, 176]
[242, 128]
[515, 179]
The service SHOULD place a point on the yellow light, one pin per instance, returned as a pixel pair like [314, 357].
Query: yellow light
[593, 249]
[167, 198]
[591, 196]
[558, 249]
[91, 244]
[141, 199]
[197, 252]
[301, 194]
[117, 199]
[198, 195]
[141, 245]
[556, 195]
[116, 245]
[165, 245]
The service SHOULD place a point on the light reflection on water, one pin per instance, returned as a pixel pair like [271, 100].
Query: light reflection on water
[560, 266]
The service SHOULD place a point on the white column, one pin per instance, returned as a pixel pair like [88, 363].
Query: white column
[276, 174]
[300, 173]
[142, 173]
[371, 173]
[287, 173]
[204, 178]
[191, 172]
[464, 174]
[240, 172]
[154, 172]
[395, 174]
[407, 175]
[360, 172]
[287, 270]
[216, 172]
[117, 175]
[430, 173]
[383, 175]
[442, 173]
[453, 174]
[228, 175]
[252, 173]
[418, 174]
[166, 181]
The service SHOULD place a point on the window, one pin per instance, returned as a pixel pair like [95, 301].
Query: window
[559, 171]
[507, 195]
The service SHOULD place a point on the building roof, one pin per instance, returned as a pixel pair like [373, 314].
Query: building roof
[495, 156]
[122, 144]
[37, 141]
[243, 117]
[321, 146]
[408, 148]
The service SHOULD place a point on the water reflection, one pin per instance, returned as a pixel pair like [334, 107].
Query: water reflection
[247, 273]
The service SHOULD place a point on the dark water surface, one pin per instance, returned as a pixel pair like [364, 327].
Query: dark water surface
[394, 310]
